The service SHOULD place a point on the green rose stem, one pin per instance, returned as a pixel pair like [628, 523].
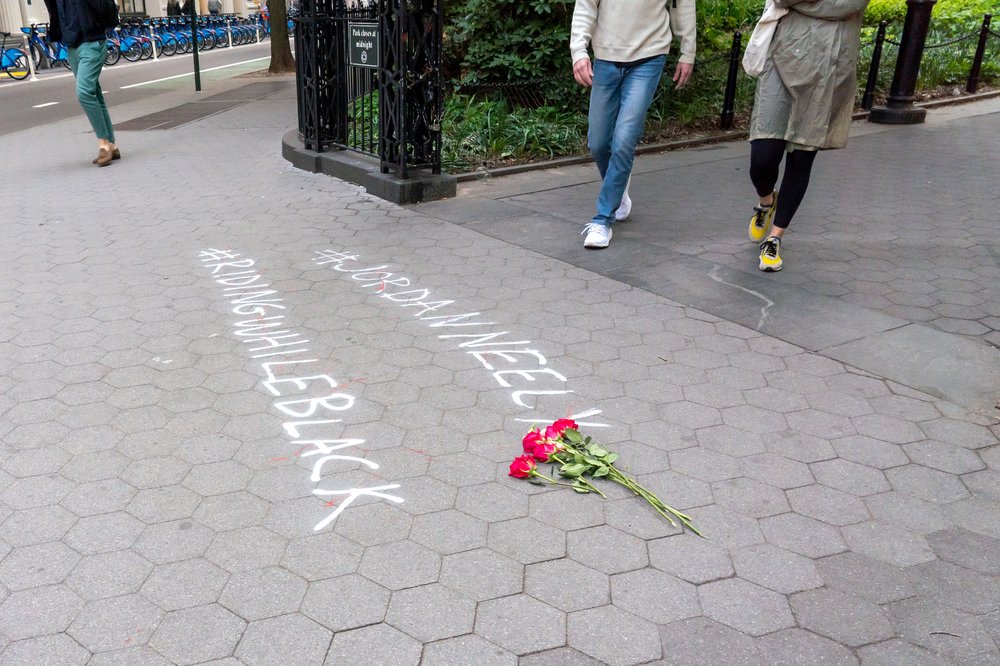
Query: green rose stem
[654, 501]
[591, 488]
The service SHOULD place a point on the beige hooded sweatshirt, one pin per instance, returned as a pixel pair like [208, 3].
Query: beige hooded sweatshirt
[630, 30]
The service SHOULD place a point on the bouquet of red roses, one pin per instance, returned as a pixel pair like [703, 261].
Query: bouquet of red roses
[580, 460]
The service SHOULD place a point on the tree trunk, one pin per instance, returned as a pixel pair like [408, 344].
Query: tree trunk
[281, 51]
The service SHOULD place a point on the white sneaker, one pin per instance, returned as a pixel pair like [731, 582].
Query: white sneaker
[624, 209]
[598, 235]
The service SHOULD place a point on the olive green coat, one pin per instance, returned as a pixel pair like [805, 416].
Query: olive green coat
[807, 90]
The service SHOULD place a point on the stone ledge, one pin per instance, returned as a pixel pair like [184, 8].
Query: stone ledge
[363, 170]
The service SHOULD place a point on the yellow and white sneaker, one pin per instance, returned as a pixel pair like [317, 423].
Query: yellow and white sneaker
[760, 223]
[770, 260]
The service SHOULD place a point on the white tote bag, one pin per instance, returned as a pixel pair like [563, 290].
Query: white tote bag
[760, 40]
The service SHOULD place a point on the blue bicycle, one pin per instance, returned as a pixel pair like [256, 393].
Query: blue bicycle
[13, 61]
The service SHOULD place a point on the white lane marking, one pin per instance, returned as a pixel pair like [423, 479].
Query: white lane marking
[42, 106]
[178, 76]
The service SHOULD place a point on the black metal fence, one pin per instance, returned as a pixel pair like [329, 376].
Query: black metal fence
[390, 108]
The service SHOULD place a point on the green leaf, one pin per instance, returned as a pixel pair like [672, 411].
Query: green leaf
[601, 471]
[610, 458]
[572, 435]
[598, 451]
[573, 470]
[581, 490]
[593, 462]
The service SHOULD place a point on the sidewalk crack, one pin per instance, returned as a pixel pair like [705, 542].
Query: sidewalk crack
[768, 303]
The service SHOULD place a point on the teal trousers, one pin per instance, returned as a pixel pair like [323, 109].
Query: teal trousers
[87, 61]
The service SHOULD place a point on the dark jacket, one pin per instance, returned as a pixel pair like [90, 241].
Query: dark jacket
[74, 22]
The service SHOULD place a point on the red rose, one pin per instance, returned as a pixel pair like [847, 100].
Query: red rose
[523, 467]
[531, 440]
[544, 450]
[562, 425]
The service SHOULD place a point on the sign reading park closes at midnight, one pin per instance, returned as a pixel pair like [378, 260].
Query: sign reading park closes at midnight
[364, 44]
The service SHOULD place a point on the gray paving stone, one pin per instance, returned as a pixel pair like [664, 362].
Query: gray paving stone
[945, 457]
[263, 593]
[232, 511]
[607, 550]
[104, 533]
[876, 581]
[521, 624]
[36, 491]
[967, 549]
[690, 558]
[871, 452]
[119, 622]
[843, 617]
[322, 556]
[975, 515]
[802, 447]
[448, 532]
[482, 574]
[888, 543]
[956, 586]
[431, 612]
[984, 484]
[850, 477]
[943, 630]
[744, 606]
[750, 498]
[35, 526]
[377, 644]
[613, 636]
[290, 639]
[400, 564]
[185, 584]
[828, 505]
[897, 651]
[109, 575]
[777, 471]
[198, 634]
[469, 649]
[567, 585]
[159, 505]
[218, 478]
[345, 602]
[654, 596]
[567, 510]
[373, 524]
[959, 433]
[563, 656]
[246, 549]
[797, 646]
[34, 566]
[726, 528]
[701, 641]
[174, 541]
[55, 649]
[38, 612]
[776, 569]
[527, 540]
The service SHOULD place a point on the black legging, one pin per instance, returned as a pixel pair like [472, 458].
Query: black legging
[765, 158]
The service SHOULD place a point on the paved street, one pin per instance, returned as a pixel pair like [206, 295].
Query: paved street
[252, 415]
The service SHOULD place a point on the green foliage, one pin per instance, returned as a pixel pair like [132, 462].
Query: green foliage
[487, 132]
[497, 41]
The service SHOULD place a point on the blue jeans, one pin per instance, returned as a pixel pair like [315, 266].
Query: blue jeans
[86, 61]
[619, 98]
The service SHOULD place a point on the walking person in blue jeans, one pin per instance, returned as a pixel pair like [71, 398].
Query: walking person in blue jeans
[630, 40]
[81, 26]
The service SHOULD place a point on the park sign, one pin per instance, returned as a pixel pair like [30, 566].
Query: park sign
[363, 47]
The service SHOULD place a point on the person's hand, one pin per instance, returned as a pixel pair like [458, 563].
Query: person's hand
[682, 74]
[583, 72]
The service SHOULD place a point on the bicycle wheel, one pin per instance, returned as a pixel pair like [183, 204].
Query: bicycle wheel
[147, 50]
[36, 55]
[133, 52]
[113, 55]
[19, 67]
[169, 48]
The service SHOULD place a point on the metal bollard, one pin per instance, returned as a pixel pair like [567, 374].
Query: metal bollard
[152, 40]
[868, 98]
[31, 61]
[977, 62]
[229, 31]
[729, 102]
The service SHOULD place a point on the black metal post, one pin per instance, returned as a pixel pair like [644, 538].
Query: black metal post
[899, 109]
[729, 101]
[977, 62]
[194, 40]
[869, 96]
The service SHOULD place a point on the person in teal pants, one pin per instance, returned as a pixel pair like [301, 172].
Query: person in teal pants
[81, 25]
